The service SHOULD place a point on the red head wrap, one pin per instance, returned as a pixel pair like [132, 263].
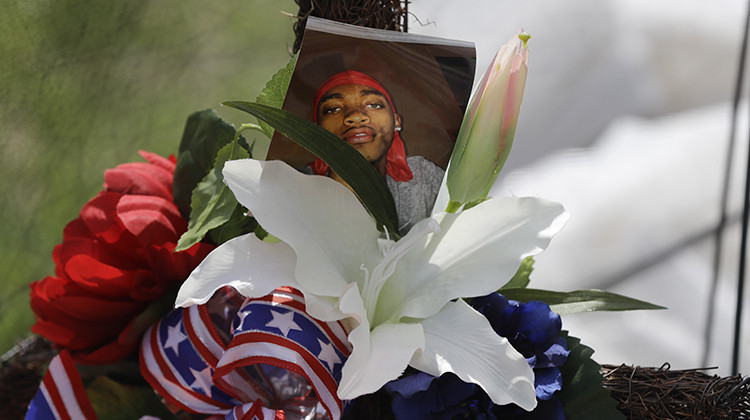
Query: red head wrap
[396, 165]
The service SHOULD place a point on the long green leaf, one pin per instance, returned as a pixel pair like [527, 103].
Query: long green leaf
[521, 279]
[339, 155]
[579, 300]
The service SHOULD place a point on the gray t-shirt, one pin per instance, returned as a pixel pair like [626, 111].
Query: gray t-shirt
[415, 198]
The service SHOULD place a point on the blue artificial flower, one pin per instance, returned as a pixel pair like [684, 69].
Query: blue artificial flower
[425, 397]
[533, 329]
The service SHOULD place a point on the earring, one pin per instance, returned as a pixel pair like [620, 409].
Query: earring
[398, 128]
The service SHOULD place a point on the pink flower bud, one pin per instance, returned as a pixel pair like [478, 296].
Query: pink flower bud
[487, 130]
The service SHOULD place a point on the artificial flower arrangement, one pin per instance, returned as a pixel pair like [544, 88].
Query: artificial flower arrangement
[297, 297]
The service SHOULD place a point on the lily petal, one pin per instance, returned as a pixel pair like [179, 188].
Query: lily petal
[319, 218]
[378, 356]
[251, 266]
[459, 339]
[324, 308]
[475, 252]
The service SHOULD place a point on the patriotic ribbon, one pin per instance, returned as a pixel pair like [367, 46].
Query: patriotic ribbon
[260, 358]
[61, 395]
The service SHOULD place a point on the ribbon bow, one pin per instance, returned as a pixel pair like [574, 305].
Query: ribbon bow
[262, 358]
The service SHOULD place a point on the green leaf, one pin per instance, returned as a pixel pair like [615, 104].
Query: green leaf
[205, 133]
[345, 160]
[521, 279]
[238, 224]
[213, 202]
[112, 400]
[579, 300]
[155, 310]
[275, 90]
[582, 394]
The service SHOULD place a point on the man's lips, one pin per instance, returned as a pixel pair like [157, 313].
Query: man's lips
[359, 135]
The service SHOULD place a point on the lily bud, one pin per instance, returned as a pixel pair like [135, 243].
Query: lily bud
[488, 127]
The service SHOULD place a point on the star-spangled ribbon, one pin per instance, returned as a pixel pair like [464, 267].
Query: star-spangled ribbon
[260, 358]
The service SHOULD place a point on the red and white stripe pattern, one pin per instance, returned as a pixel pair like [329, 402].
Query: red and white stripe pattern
[61, 395]
[240, 359]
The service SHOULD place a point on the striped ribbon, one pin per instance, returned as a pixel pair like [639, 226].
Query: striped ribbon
[61, 395]
[260, 358]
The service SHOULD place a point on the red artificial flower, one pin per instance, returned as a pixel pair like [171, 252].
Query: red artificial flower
[115, 258]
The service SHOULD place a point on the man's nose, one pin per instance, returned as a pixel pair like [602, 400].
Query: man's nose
[357, 116]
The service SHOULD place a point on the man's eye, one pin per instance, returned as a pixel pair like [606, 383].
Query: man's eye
[331, 110]
[375, 105]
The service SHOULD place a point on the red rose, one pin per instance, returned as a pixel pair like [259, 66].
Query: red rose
[115, 258]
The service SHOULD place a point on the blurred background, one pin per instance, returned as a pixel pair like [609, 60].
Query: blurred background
[625, 121]
[84, 86]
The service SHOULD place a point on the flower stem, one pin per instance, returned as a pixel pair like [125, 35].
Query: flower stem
[453, 206]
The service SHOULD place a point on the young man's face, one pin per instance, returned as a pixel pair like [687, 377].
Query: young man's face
[362, 116]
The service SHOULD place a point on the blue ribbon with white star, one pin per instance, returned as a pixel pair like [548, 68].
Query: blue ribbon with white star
[228, 354]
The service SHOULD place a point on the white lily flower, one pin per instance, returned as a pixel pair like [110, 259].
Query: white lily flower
[398, 297]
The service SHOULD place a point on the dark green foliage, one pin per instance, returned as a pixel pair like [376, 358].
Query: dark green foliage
[205, 134]
[582, 394]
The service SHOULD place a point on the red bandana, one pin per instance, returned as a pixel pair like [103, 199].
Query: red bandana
[396, 165]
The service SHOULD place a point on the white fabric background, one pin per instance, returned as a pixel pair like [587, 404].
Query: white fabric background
[625, 121]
